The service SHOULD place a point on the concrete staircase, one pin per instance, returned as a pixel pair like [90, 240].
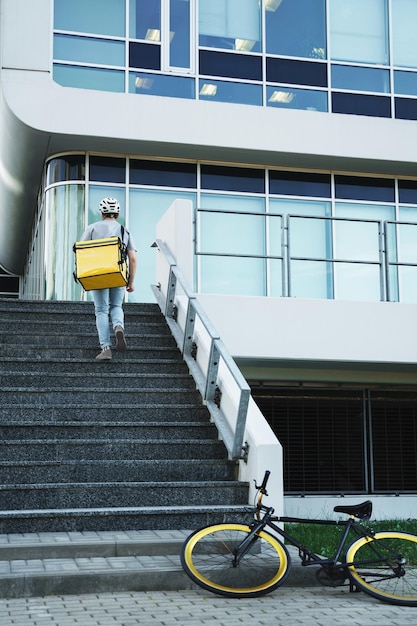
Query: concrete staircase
[89, 447]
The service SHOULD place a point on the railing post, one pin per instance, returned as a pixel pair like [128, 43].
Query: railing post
[189, 327]
[232, 435]
[171, 289]
[240, 424]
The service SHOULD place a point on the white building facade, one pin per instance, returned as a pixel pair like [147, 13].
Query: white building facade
[290, 127]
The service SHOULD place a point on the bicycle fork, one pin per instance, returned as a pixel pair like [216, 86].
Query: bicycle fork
[243, 548]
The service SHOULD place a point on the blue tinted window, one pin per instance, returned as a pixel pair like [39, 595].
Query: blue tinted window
[296, 72]
[356, 104]
[145, 19]
[405, 109]
[71, 167]
[89, 50]
[222, 91]
[230, 65]
[362, 188]
[161, 85]
[292, 98]
[107, 169]
[179, 28]
[89, 78]
[299, 184]
[230, 24]
[232, 178]
[162, 174]
[296, 28]
[360, 78]
[407, 190]
[359, 31]
[146, 56]
[405, 83]
[101, 17]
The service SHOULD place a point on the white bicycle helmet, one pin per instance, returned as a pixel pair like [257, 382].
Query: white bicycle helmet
[110, 206]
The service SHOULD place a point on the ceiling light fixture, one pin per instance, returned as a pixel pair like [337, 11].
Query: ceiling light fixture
[208, 90]
[272, 5]
[153, 34]
[284, 97]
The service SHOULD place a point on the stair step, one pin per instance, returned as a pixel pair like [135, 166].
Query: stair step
[76, 353]
[50, 395]
[166, 365]
[25, 340]
[120, 518]
[122, 494]
[128, 381]
[97, 412]
[91, 449]
[137, 470]
[106, 430]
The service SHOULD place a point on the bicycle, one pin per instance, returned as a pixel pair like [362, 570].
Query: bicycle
[239, 560]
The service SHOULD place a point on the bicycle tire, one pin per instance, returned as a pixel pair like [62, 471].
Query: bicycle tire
[377, 576]
[207, 558]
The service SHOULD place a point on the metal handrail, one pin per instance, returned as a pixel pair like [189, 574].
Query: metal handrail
[207, 381]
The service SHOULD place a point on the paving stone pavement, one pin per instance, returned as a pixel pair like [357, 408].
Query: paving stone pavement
[289, 606]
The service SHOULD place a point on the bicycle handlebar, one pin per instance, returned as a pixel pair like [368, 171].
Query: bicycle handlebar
[262, 488]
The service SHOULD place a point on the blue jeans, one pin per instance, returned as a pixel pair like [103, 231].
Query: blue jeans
[108, 301]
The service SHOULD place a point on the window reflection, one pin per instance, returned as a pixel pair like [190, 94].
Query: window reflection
[222, 91]
[179, 30]
[145, 19]
[296, 28]
[230, 65]
[71, 167]
[108, 169]
[230, 24]
[163, 174]
[364, 188]
[405, 83]
[404, 19]
[299, 184]
[146, 207]
[161, 85]
[358, 104]
[296, 72]
[89, 50]
[233, 179]
[89, 77]
[357, 282]
[64, 206]
[289, 98]
[146, 56]
[360, 78]
[94, 16]
[359, 31]
[233, 275]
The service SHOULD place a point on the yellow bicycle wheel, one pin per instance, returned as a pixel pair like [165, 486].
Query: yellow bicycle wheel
[208, 558]
[385, 566]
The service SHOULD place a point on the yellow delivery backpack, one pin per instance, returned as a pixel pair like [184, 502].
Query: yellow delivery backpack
[101, 263]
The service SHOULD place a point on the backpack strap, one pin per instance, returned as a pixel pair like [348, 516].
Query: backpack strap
[123, 232]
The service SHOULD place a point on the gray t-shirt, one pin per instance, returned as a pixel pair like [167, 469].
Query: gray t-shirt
[108, 228]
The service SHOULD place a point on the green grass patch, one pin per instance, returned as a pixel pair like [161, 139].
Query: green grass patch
[324, 540]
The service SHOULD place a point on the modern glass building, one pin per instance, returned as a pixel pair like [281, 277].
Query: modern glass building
[291, 127]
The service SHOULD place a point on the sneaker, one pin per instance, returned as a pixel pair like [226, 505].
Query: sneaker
[105, 355]
[121, 344]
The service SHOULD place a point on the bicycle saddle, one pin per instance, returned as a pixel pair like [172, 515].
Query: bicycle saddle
[361, 511]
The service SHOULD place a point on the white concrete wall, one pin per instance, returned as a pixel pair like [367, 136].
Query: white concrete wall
[265, 451]
[313, 330]
[383, 507]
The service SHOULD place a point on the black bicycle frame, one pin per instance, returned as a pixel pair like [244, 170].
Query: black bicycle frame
[308, 557]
